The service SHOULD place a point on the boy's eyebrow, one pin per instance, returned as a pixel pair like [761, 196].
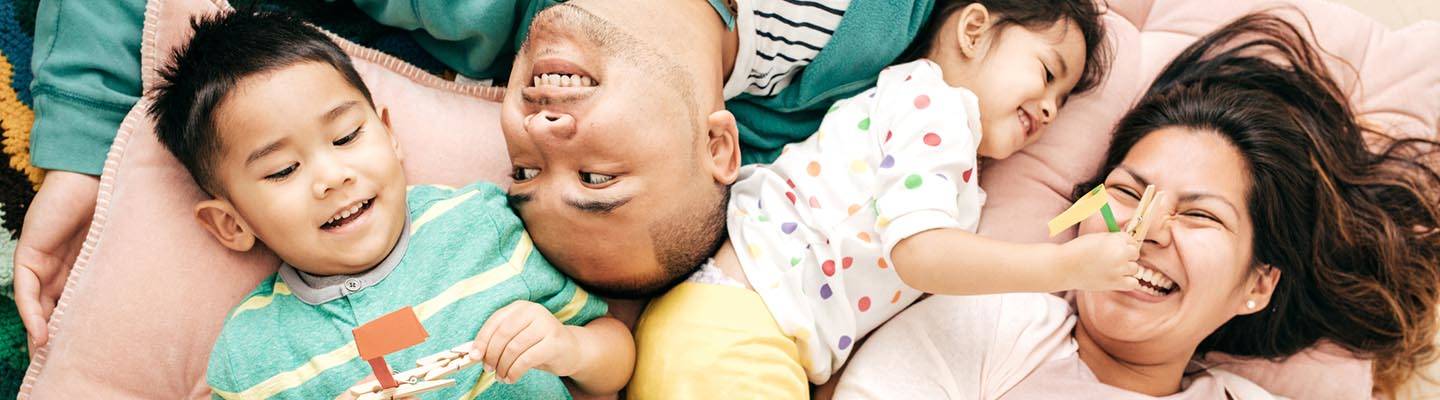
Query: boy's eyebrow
[264, 151]
[338, 111]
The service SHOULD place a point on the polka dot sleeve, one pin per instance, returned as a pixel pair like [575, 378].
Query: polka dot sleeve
[929, 134]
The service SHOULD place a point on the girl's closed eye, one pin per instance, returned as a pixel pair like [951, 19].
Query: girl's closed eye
[283, 173]
[348, 138]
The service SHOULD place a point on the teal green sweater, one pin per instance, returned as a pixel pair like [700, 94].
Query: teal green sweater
[87, 66]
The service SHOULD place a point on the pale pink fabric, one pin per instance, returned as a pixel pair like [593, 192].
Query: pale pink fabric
[149, 293]
[151, 289]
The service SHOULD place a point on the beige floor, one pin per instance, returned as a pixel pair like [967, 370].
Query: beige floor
[1397, 14]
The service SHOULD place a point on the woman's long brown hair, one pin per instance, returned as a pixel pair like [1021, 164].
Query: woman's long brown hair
[1353, 231]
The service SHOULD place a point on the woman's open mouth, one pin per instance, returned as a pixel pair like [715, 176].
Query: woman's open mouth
[1155, 283]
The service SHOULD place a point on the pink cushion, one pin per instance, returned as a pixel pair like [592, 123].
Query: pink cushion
[151, 289]
[1398, 88]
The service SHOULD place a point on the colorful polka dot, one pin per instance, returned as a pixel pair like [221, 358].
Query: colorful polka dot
[913, 181]
[814, 202]
[966, 176]
[887, 162]
[794, 261]
[859, 166]
[932, 140]
[853, 209]
[864, 304]
[813, 169]
[864, 124]
[882, 222]
[864, 237]
[844, 342]
[828, 267]
[882, 264]
[820, 135]
[846, 262]
[754, 251]
[896, 298]
[921, 102]
[791, 196]
[888, 135]
[788, 227]
[791, 183]
[825, 292]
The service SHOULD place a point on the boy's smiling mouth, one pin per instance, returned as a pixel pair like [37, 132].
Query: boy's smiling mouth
[346, 216]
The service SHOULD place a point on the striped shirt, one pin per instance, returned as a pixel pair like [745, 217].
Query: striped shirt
[777, 39]
[467, 256]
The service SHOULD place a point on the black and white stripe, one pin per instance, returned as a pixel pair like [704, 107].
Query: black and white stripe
[788, 34]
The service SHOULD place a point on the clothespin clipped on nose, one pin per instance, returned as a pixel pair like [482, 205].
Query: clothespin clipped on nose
[1139, 224]
[1097, 200]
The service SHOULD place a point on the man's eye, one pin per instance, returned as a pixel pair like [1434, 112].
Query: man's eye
[347, 138]
[595, 179]
[281, 174]
[520, 174]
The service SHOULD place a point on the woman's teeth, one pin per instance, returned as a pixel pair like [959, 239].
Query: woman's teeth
[1155, 283]
[563, 80]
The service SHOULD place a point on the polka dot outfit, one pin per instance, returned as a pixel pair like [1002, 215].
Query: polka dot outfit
[814, 230]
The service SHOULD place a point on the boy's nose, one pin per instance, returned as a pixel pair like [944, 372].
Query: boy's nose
[551, 125]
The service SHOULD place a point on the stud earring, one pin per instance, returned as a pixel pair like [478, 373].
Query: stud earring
[1250, 304]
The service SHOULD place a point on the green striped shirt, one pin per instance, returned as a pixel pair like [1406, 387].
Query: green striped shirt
[467, 256]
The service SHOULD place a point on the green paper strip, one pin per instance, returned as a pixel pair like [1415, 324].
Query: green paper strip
[1109, 218]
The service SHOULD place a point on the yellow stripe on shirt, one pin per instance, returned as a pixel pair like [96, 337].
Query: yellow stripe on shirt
[259, 302]
[571, 309]
[439, 209]
[316, 365]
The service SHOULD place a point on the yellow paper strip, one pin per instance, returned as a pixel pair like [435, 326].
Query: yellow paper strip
[1082, 209]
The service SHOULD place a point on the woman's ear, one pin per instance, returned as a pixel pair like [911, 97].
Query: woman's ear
[974, 22]
[1262, 287]
[722, 145]
[220, 219]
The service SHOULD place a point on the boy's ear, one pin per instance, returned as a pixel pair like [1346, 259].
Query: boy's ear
[722, 145]
[971, 28]
[394, 143]
[220, 219]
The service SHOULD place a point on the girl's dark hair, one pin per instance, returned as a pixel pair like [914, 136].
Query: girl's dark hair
[1353, 232]
[1034, 15]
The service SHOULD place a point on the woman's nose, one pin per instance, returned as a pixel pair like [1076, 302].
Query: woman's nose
[551, 125]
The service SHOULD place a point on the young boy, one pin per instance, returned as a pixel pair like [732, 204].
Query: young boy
[269, 117]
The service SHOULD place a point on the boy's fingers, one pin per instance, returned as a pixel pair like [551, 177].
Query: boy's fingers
[520, 345]
[487, 331]
[503, 336]
[526, 362]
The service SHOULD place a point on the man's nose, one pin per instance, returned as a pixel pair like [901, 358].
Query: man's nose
[549, 124]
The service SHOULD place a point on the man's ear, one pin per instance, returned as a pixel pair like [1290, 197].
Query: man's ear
[394, 143]
[220, 219]
[722, 145]
[1262, 287]
[974, 22]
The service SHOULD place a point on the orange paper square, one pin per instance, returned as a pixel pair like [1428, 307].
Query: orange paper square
[390, 333]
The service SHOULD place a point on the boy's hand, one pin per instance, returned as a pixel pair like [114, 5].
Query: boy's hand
[525, 335]
[1101, 261]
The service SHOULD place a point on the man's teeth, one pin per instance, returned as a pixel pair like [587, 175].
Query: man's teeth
[1154, 282]
[563, 80]
[348, 212]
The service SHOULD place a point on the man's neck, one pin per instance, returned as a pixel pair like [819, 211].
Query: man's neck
[1157, 380]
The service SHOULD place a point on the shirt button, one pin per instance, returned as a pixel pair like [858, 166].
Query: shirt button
[352, 285]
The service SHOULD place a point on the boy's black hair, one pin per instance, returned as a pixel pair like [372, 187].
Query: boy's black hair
[227, 48]
[1031, 14]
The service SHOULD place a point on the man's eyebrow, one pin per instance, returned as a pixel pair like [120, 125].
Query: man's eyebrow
[264, 151]
[598, 207]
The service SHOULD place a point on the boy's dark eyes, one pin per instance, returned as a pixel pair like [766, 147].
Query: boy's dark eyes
[347, 138]
[282, 173]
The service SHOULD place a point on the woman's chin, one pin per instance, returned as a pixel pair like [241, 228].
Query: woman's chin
[1128, 316]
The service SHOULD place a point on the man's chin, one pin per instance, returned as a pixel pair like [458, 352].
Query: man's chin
[636, 289]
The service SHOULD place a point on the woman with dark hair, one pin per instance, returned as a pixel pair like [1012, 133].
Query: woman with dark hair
[1279, 229]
